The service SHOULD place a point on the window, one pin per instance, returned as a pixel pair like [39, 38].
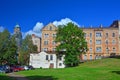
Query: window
[90, 35]
[90, 41]
[46, 35]
[98, 34]
[54, 35]
[90, 57]
[60, 57]
[85, 57]
[90, 49]
[45, 42]
[54, 49]
[96, 57]
[98, 41]
[50, 27]
[106, 41]
[60, 64]
[45, 49]
[46, 57]
[53, 43]
[51, 57]
[114, 49]
[113, 42]
[106, 35]
[98, 49]
[113, 34]
[107, 49]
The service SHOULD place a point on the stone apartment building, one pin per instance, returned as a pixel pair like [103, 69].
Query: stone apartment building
[48, 38]
[36, 41]
[102, 42]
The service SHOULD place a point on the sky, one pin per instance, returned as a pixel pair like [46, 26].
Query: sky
[32, 15]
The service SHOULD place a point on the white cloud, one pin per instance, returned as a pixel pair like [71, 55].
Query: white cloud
[36, 30]
[1, 29]
[64, 22]
[38, 27]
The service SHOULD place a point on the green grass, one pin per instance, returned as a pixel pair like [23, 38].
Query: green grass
[5, 77]
[105, 69]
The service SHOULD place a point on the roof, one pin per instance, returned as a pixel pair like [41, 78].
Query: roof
[50, 24]
[17, 26]
[115, 24]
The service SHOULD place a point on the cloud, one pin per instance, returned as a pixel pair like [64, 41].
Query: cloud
[36, 30]
[64, 22]
[38, 27]
[1, 29]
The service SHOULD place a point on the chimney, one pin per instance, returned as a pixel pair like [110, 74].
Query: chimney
[33, 35]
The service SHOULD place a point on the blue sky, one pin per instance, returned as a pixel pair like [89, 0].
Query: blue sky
[33, 14]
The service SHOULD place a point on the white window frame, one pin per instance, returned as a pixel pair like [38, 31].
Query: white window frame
[98, 49]
[98, 34]
[98, 41]
[46, 35]
[113, 42]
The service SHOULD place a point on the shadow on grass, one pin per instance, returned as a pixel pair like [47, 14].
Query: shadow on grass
[41, 78]
[117, 72]
[18, 77]
[3, 77]
[117, 57]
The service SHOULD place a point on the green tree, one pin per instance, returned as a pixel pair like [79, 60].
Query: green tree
[26, 48]
[7, 48]
[72, 42]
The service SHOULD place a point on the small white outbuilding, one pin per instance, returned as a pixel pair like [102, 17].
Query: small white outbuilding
[46, 60]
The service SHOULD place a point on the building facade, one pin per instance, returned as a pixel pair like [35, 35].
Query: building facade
[48, 38]
[46, 60]
[102, 42]
[37, 41]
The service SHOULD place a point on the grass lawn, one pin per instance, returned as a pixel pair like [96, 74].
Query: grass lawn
[105, 69]
[4, 77]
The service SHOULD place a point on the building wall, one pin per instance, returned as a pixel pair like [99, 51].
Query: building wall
[40, 61]
[36, 41]
[48, 38]
[94, 42]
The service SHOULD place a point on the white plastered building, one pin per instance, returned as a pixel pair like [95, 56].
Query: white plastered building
[46, 60]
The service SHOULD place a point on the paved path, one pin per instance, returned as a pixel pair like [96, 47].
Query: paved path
[16, 76]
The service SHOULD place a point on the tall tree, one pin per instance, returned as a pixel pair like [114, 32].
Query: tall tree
[7, 48]
[26, 48]
[72, 42]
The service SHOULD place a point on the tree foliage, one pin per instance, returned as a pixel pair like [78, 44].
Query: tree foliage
[72, 42]
[7, 48]
[26, 48]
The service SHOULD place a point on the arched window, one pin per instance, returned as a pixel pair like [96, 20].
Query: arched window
[50, 27]
[106, 41]
[113, 34]
[90, 57]
[85, 57]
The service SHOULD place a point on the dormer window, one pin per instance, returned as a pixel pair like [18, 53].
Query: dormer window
[50, 27]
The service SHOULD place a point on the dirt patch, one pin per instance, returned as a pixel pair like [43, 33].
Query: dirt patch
[16, 76]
